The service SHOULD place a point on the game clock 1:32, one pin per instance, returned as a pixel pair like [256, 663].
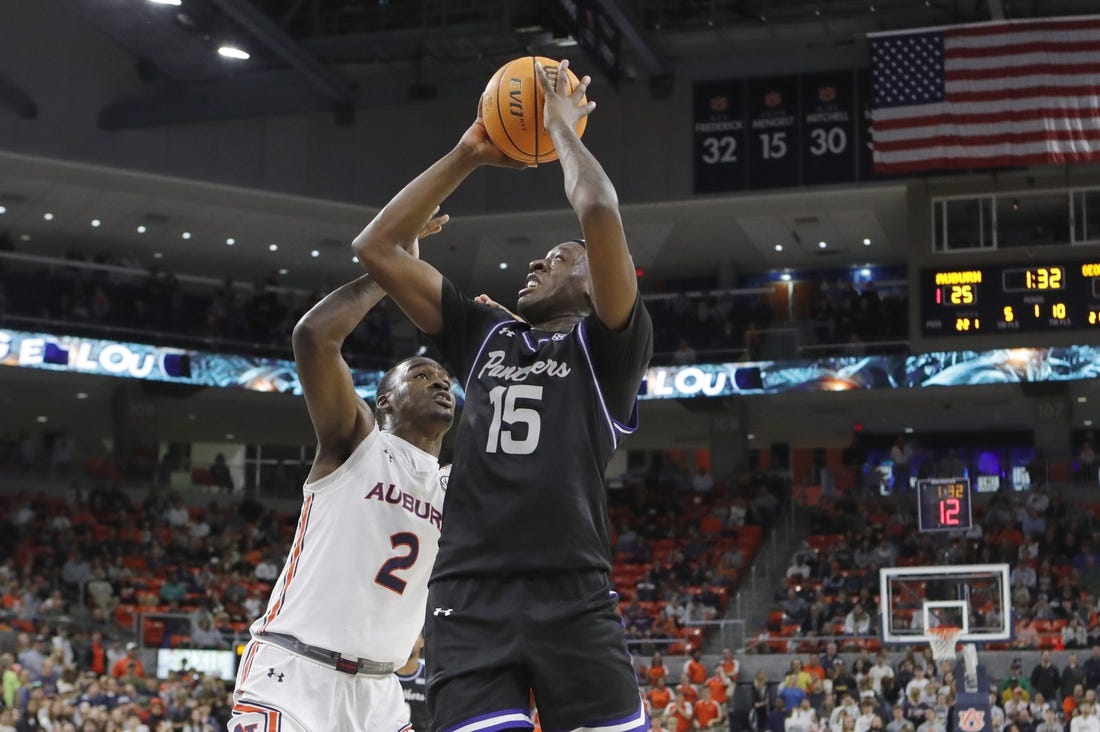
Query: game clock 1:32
[943, 504]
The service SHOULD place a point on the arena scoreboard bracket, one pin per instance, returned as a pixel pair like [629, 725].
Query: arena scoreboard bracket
[943, 504]
[1037, 297]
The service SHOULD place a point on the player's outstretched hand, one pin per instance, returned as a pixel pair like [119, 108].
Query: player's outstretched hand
[433, 225]
[476, 140]
[563, 106]
[486, 300]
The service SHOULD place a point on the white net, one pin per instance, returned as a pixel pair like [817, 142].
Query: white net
[943, 641]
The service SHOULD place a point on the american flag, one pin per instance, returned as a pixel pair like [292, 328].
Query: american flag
[987, 95]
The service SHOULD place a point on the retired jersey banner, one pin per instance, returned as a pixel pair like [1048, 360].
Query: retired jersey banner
[1005, 93]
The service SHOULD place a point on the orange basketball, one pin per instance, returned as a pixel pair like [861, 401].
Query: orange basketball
[511, 109]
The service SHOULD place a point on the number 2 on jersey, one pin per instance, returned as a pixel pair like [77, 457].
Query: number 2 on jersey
[505, 411]
[386, 576]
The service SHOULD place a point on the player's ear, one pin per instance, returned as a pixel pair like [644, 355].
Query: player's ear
[383, 407]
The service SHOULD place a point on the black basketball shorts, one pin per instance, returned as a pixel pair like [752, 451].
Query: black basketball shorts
[490, 642]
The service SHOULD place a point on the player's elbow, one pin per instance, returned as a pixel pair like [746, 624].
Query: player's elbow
[596, 204]
[307, 336]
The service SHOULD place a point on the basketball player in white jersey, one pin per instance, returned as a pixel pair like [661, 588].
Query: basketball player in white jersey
[349, 604]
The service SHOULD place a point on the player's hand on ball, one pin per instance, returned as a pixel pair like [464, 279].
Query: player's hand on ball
[561, 106]
[476, 140]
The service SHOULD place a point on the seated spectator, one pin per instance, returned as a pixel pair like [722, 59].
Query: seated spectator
[802, 718]
[857, 622]
[129, 666]
[205, 636]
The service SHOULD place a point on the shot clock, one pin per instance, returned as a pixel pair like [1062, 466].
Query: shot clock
[943, 504]
[997, 300]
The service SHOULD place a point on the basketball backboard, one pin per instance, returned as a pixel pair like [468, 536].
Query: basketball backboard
[974, 597]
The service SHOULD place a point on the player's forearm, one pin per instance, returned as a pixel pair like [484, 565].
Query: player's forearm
[333, 319]
[400, 221]
[587, 186]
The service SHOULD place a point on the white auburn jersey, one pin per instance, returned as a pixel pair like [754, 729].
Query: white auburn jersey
[356, 579]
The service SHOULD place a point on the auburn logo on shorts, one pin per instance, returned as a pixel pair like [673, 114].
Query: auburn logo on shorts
[972, 720]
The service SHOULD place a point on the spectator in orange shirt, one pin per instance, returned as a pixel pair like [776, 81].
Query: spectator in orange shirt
[730, 665]
[694, 668]
[659, 695]
[688, 689]
[813, 668]
[720, 685]
[129, 665]
[708, 712]
[656, 670]
[681, 710]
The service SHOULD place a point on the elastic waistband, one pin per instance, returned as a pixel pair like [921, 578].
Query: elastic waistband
[333, 659]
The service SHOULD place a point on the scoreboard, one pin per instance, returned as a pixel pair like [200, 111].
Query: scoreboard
[943, 504]
[1036, 297]
[780, 131]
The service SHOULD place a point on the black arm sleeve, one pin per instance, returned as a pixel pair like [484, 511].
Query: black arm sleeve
[621, 357]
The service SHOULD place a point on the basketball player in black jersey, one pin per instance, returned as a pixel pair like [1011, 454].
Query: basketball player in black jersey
[519, 599]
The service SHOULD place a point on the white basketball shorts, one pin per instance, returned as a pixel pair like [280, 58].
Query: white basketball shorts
[278, 691]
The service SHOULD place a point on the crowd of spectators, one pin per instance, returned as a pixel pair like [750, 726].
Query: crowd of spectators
[843, 314]
[76, 575]
[690, 696]
[258, 317]
[903, 692]
[255, 317]
[832, 584]
[682, 544]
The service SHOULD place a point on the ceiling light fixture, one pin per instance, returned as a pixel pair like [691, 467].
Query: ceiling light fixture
[141, 229]
[158, 255]
[272, 247]
[503, 265]
[315, 253]
[48, 216]
[822, 245]
[230, 241]
[186, 235]
[3, 210]
[234, 53]
[866, 242]
[284, 271]
[81, 395]
[778, 247]
[96, 223]
[42, 418]
[355, 259]
[166, 2]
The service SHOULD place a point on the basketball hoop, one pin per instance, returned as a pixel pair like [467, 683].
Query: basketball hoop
[943, 640]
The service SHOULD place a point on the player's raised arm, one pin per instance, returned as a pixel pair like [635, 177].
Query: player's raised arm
[340, 418]
[415, 285]
[593, 197]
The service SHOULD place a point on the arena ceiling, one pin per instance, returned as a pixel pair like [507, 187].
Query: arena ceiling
[680, 239]
[347, 55]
